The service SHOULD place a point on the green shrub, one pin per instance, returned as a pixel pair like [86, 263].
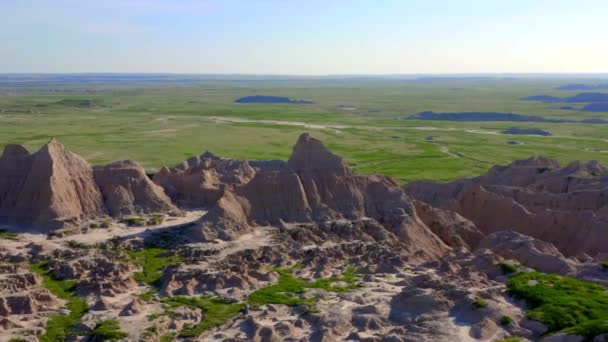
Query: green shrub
[217, 312]
[59, 327]
[146, 296]
[168, 337]
[563, 304]
[604, 264]
[288, 286]
[4, 234]
[508, 268]
[153, 261]
[135, 221]
[108, 330]
[506, 320]
[479, 303]
[154, 220]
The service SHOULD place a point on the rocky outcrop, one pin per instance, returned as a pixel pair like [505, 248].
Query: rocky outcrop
[47, 189]
[55, 188]
[127, 190]
[540, 255]
[566, 206]
[452, 228]
[200, 181]
[315, 185]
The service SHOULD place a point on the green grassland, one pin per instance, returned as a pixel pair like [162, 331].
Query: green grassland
[161, 124]
[564, 304]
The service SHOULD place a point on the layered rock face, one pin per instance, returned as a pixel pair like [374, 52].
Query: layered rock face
[565, 206]
[54, 188]
[48, 189]
[128, 191]
[313, 186]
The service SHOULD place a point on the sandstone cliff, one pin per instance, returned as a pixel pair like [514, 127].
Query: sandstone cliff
[565, 206]
[315, 185]
[55, 188]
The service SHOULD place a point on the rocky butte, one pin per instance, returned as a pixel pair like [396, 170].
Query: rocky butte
[298, 250]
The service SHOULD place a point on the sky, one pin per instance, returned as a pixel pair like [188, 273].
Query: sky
[304, 37]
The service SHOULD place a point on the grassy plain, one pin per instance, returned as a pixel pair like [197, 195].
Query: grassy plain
[162, 123]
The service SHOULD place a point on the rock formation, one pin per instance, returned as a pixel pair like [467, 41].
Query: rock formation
[314, 185]
[127, 190]
[54, 188]
[47, 189]
[565, 206]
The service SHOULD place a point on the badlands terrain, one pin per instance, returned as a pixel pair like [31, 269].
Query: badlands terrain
[298, 250]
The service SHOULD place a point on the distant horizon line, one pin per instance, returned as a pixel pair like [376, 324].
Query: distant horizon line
[458, 74]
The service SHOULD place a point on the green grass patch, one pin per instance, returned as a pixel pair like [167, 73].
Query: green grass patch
[289, 286]
[168, 337]
[59, 327]
[479, 303]
[6, 235]
[154, 220]
[108, 330]
[509, 339]
[147, 296]
[153, 262]
[217, 312]
[564, 304]
[135, 221]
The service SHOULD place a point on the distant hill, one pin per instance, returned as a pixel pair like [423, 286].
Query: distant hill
[596, 107]
[270, 99]
[588, 97]
[581, 86]
[527, 131]
[543, 98]
[482, 116]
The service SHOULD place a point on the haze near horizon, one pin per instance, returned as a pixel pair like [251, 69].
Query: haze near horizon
[304, 37]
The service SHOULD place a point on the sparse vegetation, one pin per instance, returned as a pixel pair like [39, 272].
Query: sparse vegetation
[480, 303]
[506, 320]
[509, 339]
[289, 289]
[168, 337]
[154, 220]
[153, 261]
[508, 268]
[217, 312]
[108, 330]
[147, 296]
[77, 245]
[135, 221]
[604, 264]
[6, 235]
[562, 303]
[59, 327]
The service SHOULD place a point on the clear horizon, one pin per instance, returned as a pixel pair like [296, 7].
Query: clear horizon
[304, 38]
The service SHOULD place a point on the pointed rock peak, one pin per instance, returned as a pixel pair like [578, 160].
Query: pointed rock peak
[209, 155]
[15, 151]
[310, 153]
[52, 147]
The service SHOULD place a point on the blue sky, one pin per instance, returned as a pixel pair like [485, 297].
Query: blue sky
[304, 37]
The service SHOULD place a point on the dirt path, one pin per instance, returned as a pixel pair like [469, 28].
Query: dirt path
[339, 127]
